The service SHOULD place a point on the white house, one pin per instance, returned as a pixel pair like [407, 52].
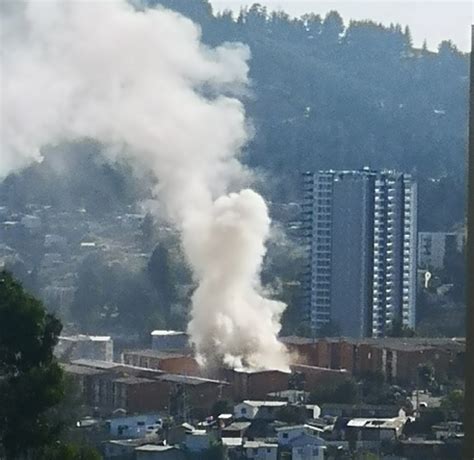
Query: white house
[70, 348]
[377, 429]
[256, 450]
[287, 434]
[135, 426]
[307, 447]
[251, 410]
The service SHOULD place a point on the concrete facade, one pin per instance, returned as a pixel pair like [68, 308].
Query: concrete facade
[360, 231]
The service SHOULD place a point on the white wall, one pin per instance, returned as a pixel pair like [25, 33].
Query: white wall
[244, 410]
[137, 425]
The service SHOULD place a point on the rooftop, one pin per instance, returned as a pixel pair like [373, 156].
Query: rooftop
[154, 448]
[125, 442]
[315, 429]
[133, 380]
[155, 354]
[295, 367]
[81, 370]
[165, 332]
[259, 444]
[295, 340]
[401, 344]
[376, 423]
[98, 364]
[237, 426]
[86, 338]
[232, 442]
[187, 380]
[113, 366]
[265, 403]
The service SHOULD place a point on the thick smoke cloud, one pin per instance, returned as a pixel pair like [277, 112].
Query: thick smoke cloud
[142, 84]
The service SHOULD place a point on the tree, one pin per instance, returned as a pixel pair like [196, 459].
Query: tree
[345, 393]
[426, 376]
[31, 381]
[89, 298]
[293, 415]
[454, 401]
[333, 28]
[408, 37]
[222, 406]
[397, 329]
[66, 451]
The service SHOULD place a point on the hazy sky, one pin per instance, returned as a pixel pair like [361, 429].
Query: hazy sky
[431, 19]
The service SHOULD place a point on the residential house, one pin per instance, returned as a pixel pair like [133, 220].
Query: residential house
[251, 410]
[307, 447]
[287, 434]
[135, 426]
[370, 433]
[260, 450]
[235, 430]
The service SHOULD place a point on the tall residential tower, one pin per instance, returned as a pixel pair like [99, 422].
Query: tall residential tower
[360, 229]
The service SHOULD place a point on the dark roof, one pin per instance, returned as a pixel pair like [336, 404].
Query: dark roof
[395, 343]
[360, 406]
[296, 367]
[237, 426]
[95, 363]
[113, 367]
[187, 380]
[133, 380]
[295, 340]
[81, 370]
[149, 353]
[421, 442]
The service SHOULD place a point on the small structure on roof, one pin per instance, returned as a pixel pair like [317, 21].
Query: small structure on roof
[169, 340]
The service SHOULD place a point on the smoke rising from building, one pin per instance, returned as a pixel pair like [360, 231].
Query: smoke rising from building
[143, 84]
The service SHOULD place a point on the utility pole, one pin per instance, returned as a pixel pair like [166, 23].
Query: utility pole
[469, 364]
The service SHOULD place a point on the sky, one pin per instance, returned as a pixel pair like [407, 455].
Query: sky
[433, 20]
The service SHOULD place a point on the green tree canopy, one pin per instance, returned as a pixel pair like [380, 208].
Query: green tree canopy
[31, 381]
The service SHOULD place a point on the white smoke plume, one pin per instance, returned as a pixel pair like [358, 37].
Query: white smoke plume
[143, 84]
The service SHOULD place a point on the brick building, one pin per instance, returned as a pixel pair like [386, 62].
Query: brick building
[247, 384]
[312, 377]
[397, 359]
[174, 363]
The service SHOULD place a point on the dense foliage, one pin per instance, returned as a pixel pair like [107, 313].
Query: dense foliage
[31, 381]
[36, 400]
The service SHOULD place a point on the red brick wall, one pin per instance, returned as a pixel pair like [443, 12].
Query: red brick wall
[323, 354]
[185, 365]
[315, 376]
[147, 397]
[256, 385]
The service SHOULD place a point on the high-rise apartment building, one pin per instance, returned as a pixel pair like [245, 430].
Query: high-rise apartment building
[360, 231]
